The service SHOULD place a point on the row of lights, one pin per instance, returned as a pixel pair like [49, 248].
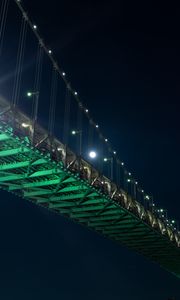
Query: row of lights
[163, 214]
[34, 26]
[92, 154]
[75, 92]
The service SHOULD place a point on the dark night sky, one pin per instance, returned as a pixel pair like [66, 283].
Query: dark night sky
[124, 59]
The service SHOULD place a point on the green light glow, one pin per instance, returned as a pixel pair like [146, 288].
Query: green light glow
[27, 173]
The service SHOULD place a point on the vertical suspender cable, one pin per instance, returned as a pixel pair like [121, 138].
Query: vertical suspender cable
[90, 134]
[67, 116]
[117, 172]
[36, 91]
[19, 62]
[53, 97]
[79, 127]
[37, 82]
[101, 153]
[122, 180]
[3, 18]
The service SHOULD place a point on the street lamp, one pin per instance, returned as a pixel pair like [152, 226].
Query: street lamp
[35, 94]
[109, 159]
[30, 94]
[78, 133]
[25, 125]
[130, 185]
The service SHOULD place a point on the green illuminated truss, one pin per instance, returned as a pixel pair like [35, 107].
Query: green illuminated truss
[51, 175]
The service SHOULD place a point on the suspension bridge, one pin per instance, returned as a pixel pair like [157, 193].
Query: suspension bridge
[48, 163]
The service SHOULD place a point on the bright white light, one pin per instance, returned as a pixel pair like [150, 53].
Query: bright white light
[122, 164]
[63, 74]
[75, 93]
[128, 180]
[136, 182]
[86, 110]
[29, 94]
[129, 174]
[105, 159]
[106, 140]
[73, 132]
[92, 154]
[32, 93]
[173, 221]
[50, 51]
[97, 126]
[142, 191]
[34, 26]
[114, 152]
[25, 125]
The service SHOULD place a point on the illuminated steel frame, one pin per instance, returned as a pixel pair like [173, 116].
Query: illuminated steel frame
[41, 169]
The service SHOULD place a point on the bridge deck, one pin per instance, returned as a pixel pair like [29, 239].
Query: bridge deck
[52, 176]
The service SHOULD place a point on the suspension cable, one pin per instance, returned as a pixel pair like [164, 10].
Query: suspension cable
[90, 134]
[37, 82]
[67, 109]
[53, 98]
[19, 62]
[3, 19]
[101, 154]
[79, 127]
[61, 73]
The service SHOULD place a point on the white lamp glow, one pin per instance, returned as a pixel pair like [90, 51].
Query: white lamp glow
[92, 154]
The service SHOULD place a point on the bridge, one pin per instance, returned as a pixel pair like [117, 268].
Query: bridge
[48, 162]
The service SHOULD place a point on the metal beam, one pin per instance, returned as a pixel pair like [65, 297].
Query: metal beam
[4, 137]
[11, 152]
[21, 164]
[75, 204]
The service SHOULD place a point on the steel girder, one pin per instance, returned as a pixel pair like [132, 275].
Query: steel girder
[27, 172]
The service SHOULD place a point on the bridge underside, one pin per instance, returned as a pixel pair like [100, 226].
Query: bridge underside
[30, 174]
